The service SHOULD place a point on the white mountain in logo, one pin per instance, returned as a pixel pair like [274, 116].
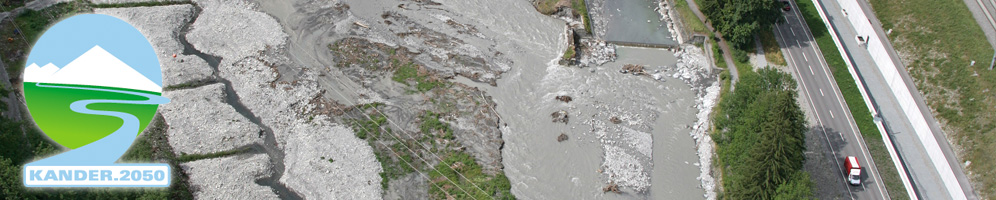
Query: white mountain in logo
[37, 74]
[96, 67]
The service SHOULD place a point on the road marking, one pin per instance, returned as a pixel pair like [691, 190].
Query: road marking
[786, 19]
[819, 121]
[821, 92]
[805, 57]
[797, 43]
[811, 70]
[831, 113]
[793, 30]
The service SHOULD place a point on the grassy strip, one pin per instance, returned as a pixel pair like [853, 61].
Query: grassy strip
[569, 53]
[938, 41]
[192, 157]
[581, 8]
[717, 55]
[689, 17]
[849, 89]
[188, 85]
[548, 7]
[772, 52]
[139, 4]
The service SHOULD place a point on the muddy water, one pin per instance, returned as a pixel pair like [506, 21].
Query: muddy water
[635, 21]
[542, 168]
[538, 166]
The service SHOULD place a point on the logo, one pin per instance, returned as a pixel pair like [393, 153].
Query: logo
[92, 83]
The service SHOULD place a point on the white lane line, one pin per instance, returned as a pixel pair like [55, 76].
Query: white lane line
[793, 30]
[821, 92]
[786, 19]
[811, 70]
[805, 57]
[819, 121]
[831, 113]
[797, 43]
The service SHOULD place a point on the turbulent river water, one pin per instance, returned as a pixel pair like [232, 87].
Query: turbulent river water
[656, 113]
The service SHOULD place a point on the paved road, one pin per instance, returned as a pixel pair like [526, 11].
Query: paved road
[925, 175]
[832, 114]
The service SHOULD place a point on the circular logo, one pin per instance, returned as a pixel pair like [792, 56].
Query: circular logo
[89, 76]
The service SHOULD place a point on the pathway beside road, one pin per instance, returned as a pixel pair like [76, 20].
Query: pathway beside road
[727, 54]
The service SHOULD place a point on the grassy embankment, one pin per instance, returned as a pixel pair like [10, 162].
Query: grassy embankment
[772, 52]
[856, 104]
[548, 7]
[937, 41]
[689, 18]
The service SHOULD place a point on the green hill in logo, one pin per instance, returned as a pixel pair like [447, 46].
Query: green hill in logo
[50, 108]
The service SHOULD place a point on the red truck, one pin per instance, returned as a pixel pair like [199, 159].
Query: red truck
[853, 170]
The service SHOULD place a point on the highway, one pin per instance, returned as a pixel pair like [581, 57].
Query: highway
[932, 166]
[825, 100]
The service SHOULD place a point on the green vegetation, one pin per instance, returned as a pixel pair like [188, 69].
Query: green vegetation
[547, 7]
[29, 26]
[9, 5]
[938, 40]
[192, 157]
[739, 20]
[717, 55]
[689, 17]
[364, 127]
[856, 104]
[397, 154]
[404, 73]
[772, 52]
[423, 82]
[569, 53]
[474, 181]
[761, 141]
[580, 8]
[187, 85]
[395, 160]
[432, 125]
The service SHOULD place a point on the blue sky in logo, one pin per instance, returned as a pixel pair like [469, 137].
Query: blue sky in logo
[71, 37]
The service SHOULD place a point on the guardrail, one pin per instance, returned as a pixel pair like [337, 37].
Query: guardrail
[904, 175]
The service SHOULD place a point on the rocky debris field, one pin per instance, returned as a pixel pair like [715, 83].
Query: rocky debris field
[208, 183]
[201, 122]
[363, 99]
